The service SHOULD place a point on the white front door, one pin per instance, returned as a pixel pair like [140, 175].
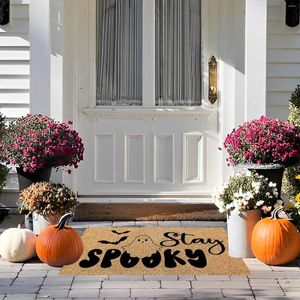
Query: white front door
[154, 142]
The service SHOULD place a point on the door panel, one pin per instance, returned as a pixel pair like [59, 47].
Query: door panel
[193, 158]
[104, 157]
[149, 157]
[163, 160]
[134, 158]
[143, 151]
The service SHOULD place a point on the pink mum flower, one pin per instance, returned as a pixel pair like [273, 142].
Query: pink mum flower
[35, 141]
[263, 141]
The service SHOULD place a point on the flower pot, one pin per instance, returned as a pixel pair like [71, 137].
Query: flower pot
[3, 212]
[239, 228]
[274, 173]
[40, 222]
[26, 179]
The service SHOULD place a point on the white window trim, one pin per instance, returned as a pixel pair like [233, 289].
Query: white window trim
[149, 113]
[148, 110]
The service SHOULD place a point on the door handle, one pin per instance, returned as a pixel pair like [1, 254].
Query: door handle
[213, 80]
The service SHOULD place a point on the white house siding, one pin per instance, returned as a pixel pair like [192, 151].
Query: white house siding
[14, 75]
[14, 61]
[283, 60]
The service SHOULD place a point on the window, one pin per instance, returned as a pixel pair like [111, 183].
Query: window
[120, 52]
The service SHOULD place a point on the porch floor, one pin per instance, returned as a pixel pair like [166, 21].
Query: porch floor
[40, 281]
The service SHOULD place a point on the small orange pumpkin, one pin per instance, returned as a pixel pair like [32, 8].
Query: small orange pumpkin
[275, 241]
[59, 245]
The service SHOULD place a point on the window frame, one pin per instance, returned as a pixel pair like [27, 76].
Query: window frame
[148, 101]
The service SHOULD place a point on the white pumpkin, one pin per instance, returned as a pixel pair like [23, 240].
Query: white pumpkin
[17, 244]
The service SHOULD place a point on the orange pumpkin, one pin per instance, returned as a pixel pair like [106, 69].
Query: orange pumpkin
[59, 245]
[275, 241]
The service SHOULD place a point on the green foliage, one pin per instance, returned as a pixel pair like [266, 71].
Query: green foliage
[294, 116]
[295, 97]
[3, 174]
[291, 185]
[3, 169]
[2, 124]
[294, 107]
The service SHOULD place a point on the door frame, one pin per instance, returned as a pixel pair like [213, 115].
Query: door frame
[85, 96]
[238, 63]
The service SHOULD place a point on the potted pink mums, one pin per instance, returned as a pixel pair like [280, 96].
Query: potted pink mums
[266, 145]
[35, 144]
[263, 141]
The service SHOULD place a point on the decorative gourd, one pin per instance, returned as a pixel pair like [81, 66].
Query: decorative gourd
[59, 245]
[17, 244]
[275, 241]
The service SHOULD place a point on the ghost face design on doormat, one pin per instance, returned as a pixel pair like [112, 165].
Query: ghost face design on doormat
[155, 250]
[142, 246]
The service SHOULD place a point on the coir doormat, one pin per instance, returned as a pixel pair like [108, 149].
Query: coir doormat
[155, 251]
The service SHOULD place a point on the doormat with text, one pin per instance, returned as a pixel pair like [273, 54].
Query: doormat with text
[155, 251]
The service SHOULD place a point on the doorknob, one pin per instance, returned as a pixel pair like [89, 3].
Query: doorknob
[213, 80]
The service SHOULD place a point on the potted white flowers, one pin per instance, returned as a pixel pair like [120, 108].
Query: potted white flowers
[244, 197]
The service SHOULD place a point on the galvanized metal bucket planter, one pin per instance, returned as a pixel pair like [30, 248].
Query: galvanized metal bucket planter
[239, 228]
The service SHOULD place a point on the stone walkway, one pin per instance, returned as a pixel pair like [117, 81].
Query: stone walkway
[39, 281]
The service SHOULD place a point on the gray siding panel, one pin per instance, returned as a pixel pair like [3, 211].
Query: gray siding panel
[283, 60]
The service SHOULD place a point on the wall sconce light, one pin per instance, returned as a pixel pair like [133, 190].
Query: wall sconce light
[292, 13]
[4, 12]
